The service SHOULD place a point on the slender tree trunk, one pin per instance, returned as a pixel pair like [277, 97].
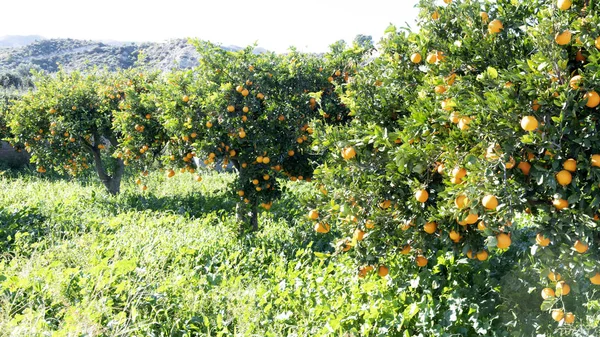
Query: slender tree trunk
[254, 216]
[112, 184]
[240, 217]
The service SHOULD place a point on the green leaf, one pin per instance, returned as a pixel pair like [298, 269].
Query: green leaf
[492, 72]
[548, 304]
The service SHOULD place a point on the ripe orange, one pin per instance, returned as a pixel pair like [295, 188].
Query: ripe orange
[455, 117]
[529, 123]
[383, 271]
[503, 240]
[439, 89]
[313, 214]
[415, 58]
[595, 279]
[447, 104]
[562, 288]
[435, 15]
[431, 58]
[547, 293]
[461, 201]
[348, 153]
[455, 236]
[484, 16]
[489, 202]
[569, 318]
[459, 172]
[560, 204]
[242, 134]
[579, 56]
[440, 56]
[170, 173]
[563, 38]
[406, 250]
[558, 314]
[260, 96]
[575, 81]
[563, 5]
[359, 234]
[481, 226]
[596, 160]
[440, 168]
[430, 227]
[369, 224]
[580, 247]
[593, 99]
[495, 26]
[570, 165]
[525, 167]
[421, 195]
[471, 219]
[463, 123]
[230, 108]
[554, 276]
[239, 88]
[245, 109]
[185, 98]
[541, 240]
[421, 261]
[482, 255]
[385, 204]
[362, 272]
[245, 92]
[511, 163]
[322, 227]
[564, 177]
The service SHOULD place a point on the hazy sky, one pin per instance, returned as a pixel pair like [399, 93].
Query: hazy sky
[310, 25]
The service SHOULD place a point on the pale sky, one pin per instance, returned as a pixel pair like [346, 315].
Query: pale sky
[310, 25]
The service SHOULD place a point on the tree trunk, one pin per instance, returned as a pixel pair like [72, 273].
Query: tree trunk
[254, 216]
[240, 217]
[112, 184]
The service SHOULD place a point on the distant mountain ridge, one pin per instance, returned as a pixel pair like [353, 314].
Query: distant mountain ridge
[20, 54]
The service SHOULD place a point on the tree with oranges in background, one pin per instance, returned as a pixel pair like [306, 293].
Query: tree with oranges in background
[251, 111]
[66, 124]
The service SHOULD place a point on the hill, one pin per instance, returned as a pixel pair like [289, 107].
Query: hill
[49, 54]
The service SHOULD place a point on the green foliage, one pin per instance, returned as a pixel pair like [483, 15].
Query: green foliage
[461, 107]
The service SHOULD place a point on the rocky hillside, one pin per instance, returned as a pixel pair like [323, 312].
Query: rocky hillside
[48, 55]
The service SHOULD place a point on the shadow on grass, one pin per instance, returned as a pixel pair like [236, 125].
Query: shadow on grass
[193, 205]
[19, 228]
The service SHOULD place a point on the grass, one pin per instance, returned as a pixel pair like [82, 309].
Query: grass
[168, 262]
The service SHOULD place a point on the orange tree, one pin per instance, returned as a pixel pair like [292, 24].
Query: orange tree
[250, 111]
[67, 122]
[476, 137]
